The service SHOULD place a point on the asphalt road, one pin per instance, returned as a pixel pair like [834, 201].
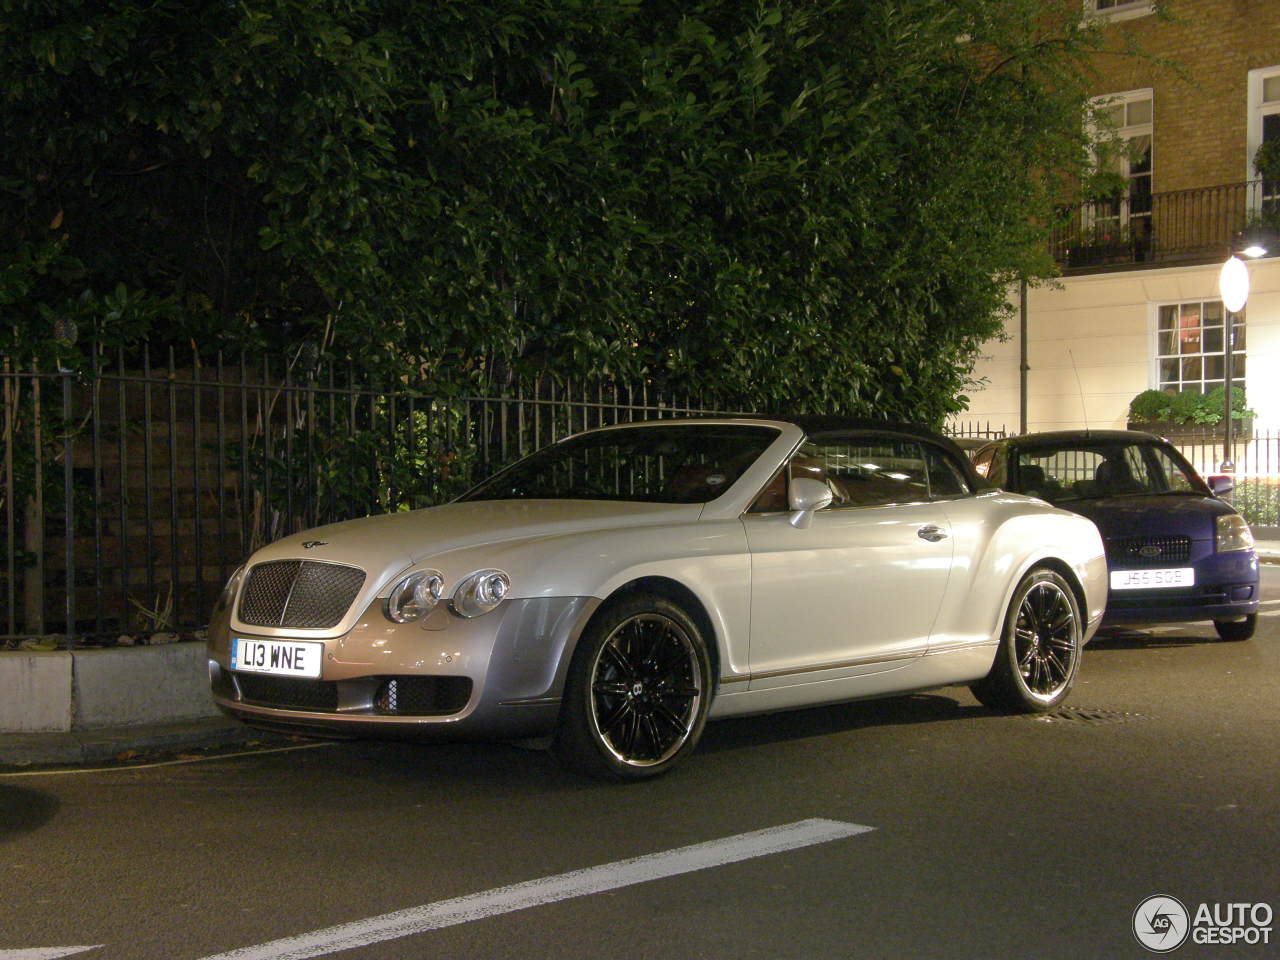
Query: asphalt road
[993, 836]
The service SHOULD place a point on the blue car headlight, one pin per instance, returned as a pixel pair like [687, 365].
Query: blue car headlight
[1232, 533]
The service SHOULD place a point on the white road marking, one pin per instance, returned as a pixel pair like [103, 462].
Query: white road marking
[44, 953]
[564, 886]
[161, 763]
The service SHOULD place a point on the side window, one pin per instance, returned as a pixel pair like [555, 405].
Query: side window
[999, 472]
[1171, 474]
[773, 498]
[945, 477]
[866, 472]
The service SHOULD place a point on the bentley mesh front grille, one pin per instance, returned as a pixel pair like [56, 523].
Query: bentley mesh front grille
[288, 691]
[1148, 551]
[299, 593]
[422, 696]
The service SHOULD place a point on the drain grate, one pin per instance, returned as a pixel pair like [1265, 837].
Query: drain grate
[1090, 715]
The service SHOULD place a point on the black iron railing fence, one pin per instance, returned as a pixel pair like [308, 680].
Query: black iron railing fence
[1256, 459]
[129, 494]
[1177, 226]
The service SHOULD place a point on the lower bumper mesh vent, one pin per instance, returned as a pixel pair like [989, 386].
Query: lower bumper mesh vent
[422, 696]
[288, 691]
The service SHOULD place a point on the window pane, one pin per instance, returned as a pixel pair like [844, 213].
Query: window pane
[1271, 89]
[1168, 343]
[1214, 368]
[1114, 115]
[1168, 373]
[945, 478]
[866, 473]
[1139, 111]
[1168, 318]
[1191, 368]
[1212, 339]
[1237, 338]
[1212, 312]
[1237, 367]
[1189, 338]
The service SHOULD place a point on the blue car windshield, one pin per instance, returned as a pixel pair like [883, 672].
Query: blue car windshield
[685, 463]
[1090, 470]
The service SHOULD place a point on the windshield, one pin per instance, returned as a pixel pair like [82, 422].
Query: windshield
[690, 463]
[1088, 470]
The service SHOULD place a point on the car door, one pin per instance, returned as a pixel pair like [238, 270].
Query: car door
[857, 590]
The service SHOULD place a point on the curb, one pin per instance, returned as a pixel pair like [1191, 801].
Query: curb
[106, 744]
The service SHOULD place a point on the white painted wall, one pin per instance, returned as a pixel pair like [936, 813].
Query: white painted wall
[1105, 323]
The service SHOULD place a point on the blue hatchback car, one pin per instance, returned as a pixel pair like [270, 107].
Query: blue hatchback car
[1175, 551]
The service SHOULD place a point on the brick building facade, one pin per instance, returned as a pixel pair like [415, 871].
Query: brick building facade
[1138, 306]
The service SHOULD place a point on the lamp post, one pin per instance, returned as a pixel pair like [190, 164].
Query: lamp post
[1233, 286]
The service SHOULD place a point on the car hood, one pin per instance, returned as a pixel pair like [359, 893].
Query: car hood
[383, 545]
[1173, 515]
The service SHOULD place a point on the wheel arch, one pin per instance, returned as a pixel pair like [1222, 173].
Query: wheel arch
[677, 593]
[1063, 569]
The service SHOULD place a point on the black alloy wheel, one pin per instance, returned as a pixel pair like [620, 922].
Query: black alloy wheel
[637, 693]
[1039, 652]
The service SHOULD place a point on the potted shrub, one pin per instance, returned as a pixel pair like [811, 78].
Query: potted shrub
[1174, 413]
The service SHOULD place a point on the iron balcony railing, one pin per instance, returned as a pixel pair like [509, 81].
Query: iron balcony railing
[1162, 229]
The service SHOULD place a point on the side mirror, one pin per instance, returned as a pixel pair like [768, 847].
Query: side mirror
[806, 496]
[1221, 485]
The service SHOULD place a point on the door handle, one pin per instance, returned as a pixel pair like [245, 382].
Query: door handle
[932, 533]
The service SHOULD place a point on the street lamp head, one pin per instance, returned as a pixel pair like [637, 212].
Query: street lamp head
[1257, 240]
[1233, 284]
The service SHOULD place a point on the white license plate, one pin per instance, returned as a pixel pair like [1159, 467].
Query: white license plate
[1153, 579]
[290, 658]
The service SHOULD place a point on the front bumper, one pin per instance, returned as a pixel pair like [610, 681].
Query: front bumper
[495, 676]
[1226, 588]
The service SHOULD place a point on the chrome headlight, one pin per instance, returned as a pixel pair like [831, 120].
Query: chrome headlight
[415, 596]
[228, 594]
[1232, 533]
[480, 592]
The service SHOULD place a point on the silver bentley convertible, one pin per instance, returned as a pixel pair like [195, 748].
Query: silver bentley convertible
[614, 591]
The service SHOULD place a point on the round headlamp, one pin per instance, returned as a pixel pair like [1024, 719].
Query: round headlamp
[415, 596]
[480, 592]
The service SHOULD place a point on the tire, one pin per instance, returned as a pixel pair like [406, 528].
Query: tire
[1039, 652]
[1236, 629]
[637, 693]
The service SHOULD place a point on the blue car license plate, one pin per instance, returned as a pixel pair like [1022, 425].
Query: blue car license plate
[1153, 579]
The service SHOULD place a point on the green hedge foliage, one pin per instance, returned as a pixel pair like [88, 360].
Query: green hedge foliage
[786, 205]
